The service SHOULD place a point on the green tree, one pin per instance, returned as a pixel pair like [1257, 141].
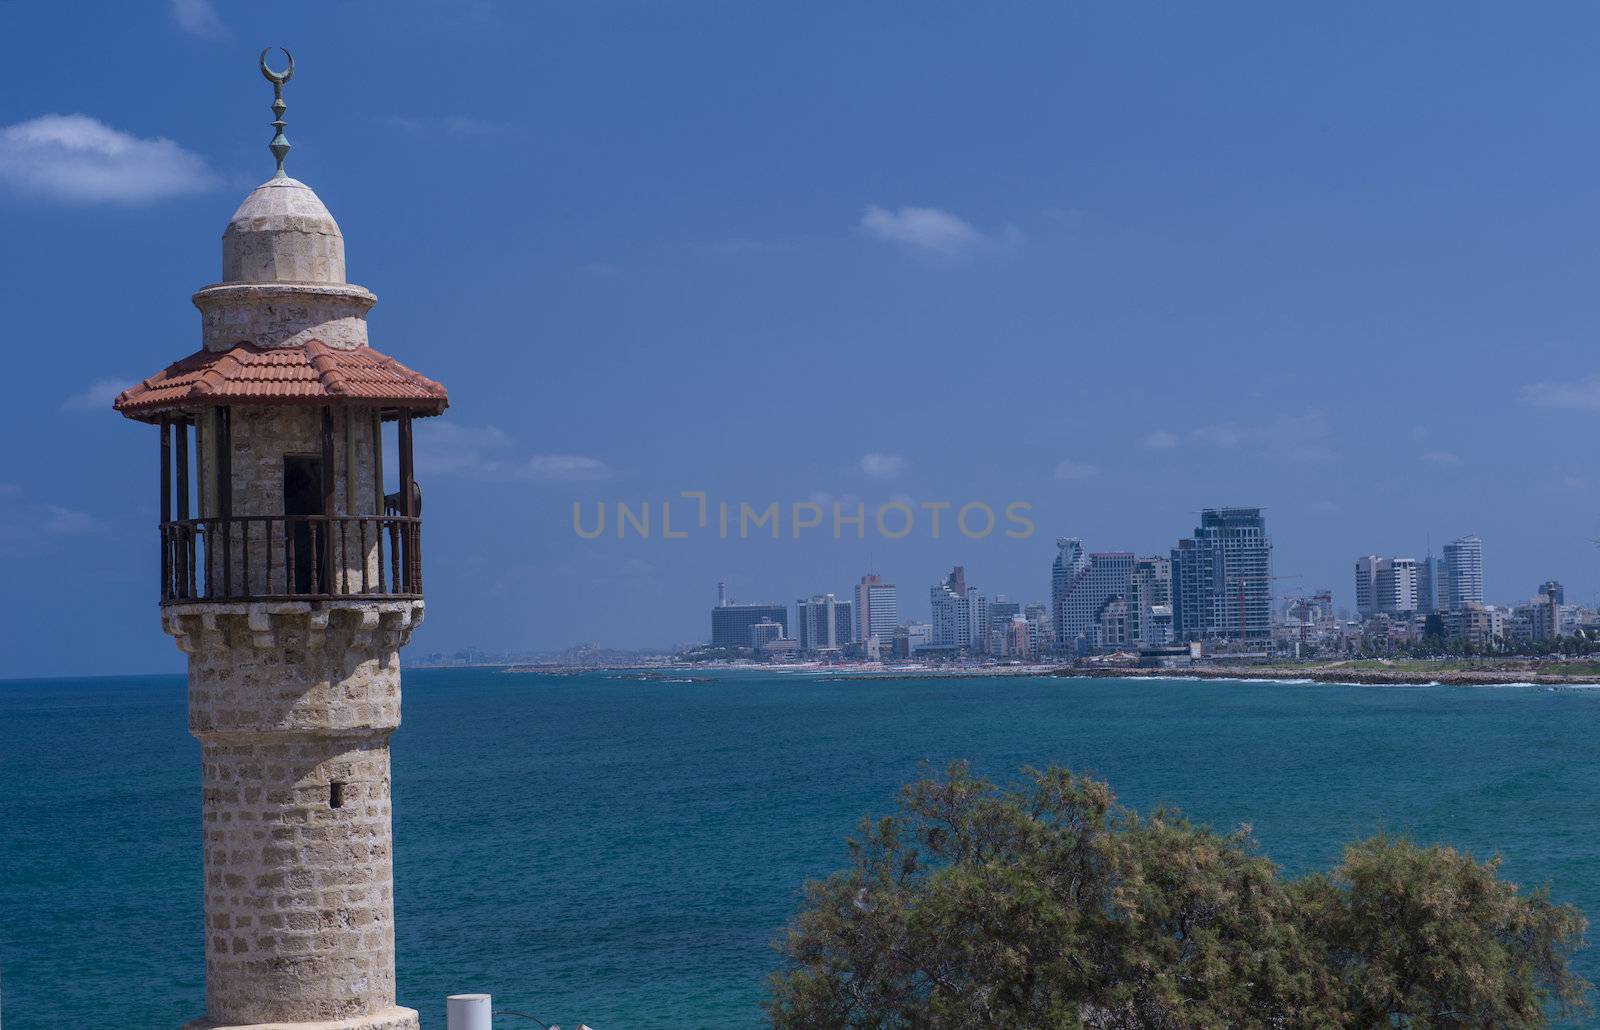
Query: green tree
[1428, 937]
[1050, 905]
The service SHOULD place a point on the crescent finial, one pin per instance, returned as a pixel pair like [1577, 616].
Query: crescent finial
[280, 143]
[277, 78]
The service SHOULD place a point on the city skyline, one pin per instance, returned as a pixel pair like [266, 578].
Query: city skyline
[1213, 590]
[1101, 271]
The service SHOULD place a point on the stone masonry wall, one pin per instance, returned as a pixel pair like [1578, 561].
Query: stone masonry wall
[298, 894]
[293, 704]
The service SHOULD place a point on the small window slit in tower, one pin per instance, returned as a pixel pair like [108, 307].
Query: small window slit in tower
[335, 794]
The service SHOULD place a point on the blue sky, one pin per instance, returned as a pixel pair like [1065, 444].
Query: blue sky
[1117, 262]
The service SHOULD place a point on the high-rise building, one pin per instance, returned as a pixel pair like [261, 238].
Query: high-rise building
[1001, 610]
[1397, 585]
[730, 622]
[1110, 628]
[1386, 585]
[823, 623]
[765, 632]
[1150, 602]
[1461, 574]
[1000, 614]
[1222, 578]
[1367, 584]
[1080, 584]
[1553, 589]
[1041, 628]
[960, 613]
[877, 609]
[1427, 580]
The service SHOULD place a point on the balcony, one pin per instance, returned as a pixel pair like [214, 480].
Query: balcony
[291, 558]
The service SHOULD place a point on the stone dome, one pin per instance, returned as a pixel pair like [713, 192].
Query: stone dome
[282, 233]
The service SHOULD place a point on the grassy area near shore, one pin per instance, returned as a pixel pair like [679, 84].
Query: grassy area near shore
[1555, 666]
[1414, 671]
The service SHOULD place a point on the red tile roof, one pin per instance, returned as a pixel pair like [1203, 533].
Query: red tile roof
[313, 374]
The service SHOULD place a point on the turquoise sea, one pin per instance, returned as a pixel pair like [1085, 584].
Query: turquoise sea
[622, 852]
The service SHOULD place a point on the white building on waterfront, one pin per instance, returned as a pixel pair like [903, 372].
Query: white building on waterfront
[1461, 574]
[960, 613]
[877, 608]
[1386, 585]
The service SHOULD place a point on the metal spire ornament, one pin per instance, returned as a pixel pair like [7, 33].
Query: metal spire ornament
[280, 144]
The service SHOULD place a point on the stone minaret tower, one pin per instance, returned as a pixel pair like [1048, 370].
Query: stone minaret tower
[291, 578]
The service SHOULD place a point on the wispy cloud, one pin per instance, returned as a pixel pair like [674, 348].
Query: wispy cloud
[77, 159]
[459, 125]
[882, 466]
[197, 17]
[487, 453]
[562, 468]
[23, 521]
[1301, 438]
[1441, 457]
[97, 396]
[1582, 394]
[1071, 470]
[930, 230]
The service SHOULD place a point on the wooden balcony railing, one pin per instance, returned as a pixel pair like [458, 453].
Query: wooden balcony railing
[291, 558]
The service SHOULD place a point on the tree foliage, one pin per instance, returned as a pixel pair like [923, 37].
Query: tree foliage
[1050, 905]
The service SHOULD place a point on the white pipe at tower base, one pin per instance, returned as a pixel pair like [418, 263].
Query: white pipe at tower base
[469, 1012]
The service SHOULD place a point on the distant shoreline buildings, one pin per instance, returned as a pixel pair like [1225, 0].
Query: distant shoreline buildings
[1211, 594]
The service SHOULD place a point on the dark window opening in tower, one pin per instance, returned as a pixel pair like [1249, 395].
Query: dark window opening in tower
[335, 794]
[302, 495]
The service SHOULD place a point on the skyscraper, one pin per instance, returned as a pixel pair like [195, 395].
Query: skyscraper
[730, 622]
[1150, 602]
[1461, 574]
[1427, 578]
[1367, 584]
[1397, 585]
[1222, 578]
[1080, 585]
[822, 623]
[960, 614]
[1386, 585]
[877, 609]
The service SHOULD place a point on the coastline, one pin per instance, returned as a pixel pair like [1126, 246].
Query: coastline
[1360, 676]
[1337, 674]
[1418, 674]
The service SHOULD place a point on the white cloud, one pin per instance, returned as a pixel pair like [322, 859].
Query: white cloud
[74, 158]
[197, 17]
[1583, 394]
[25, 522]
[1070, 470]
[1301, 438]
[59, 521]
[97, 396]
[552, 468]
[1442, 457]
[487, 453]
[926, 228]
[1160, 440]
[882, 466]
